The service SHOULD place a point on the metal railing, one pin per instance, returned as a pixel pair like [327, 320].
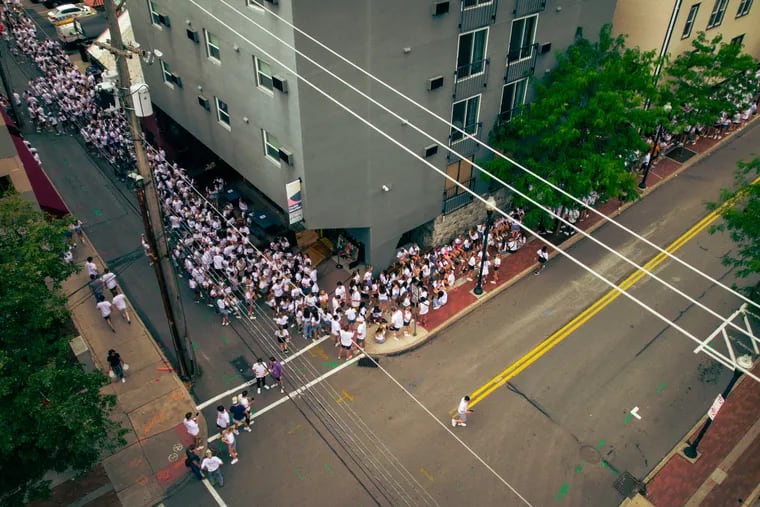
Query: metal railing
[470, 79]
[476, 14]
[520, 66]
[528, 7]
[465, 145]
[456, 197]
[507, 116]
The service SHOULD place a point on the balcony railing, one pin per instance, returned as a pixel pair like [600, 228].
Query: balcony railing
[528, 7]
[456, 197]
[470, 79]
[465, 145]
[521, 63]
[507, 116]
[476, 14]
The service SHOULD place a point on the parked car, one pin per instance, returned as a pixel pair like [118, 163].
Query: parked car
[67, 11]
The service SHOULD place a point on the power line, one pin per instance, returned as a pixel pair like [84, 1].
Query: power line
[712, 353]
[489, 148]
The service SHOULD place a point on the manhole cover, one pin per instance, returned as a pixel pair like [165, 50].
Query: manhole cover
[589, 454]
[680, 154]
[628, 485]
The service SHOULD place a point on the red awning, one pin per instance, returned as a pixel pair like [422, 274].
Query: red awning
[94, 3]
[47, 196]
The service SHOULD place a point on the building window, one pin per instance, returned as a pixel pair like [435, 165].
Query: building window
[738, 40]
[263, 74]
[744, 7]
[716, 16]
[522, 38]
[256, 4]
[512, 99]
[690, 21]
[212, 46]
[464, 114]
[271, 147]
[475, 3]
[166, 71]
[155, 17]
[222, 112]
[471, 54]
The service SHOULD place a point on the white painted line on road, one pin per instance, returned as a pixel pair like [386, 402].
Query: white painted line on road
[635, 413]
[237, 389]
[297, 391]
[214, 493]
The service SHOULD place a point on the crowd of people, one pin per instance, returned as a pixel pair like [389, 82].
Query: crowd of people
[212, 244]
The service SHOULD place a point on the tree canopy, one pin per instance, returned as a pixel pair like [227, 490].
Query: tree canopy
[54, 416]
[715, 77]
[740, 210]
[584, 124]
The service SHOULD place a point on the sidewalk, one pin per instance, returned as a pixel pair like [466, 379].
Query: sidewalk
[727, 470]
[462, 301]
[151, 405]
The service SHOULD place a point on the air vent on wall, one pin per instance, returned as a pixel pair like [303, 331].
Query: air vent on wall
[193, 36]
[431, 150]
[286, 156]
[440, 8]
[279, 83]
[434, 82]
[204, 103]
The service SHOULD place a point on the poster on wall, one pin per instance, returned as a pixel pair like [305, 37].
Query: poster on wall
[295, 201]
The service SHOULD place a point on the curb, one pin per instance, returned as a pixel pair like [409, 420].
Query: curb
[569, 242]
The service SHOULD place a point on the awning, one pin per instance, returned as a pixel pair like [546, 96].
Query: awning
[46, 194]
[94, 3]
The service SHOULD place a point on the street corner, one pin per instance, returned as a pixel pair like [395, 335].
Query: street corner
[127, 467]
[161, 414]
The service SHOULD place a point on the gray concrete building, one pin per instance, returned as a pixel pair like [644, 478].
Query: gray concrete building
[231, 85]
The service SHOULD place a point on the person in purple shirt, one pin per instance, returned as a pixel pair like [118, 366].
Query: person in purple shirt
[275, 371]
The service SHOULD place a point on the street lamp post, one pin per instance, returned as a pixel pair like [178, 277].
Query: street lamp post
[490, 208]
[658, 133]
[746, 363]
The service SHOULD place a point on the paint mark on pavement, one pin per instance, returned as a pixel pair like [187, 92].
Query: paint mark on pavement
[345, 396]
[329, 469]
[562, 492]
[661, 388]
[97, 212]
[427, 474]
[299, 474]
[329, 365]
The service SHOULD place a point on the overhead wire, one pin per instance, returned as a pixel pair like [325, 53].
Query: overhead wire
[481, 143]
[718, 356]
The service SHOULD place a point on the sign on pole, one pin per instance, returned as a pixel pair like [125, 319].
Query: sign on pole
[295, 201]
[715, 406]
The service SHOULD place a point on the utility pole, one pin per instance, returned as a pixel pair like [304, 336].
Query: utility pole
[147, 197]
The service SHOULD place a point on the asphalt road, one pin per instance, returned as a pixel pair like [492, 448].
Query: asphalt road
[558, 433]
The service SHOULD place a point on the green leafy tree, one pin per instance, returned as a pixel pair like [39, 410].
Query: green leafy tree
[53, 415]
[740, 210]
[715, 77]
[584, 127]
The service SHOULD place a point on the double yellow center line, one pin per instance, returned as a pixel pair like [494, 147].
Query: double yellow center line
[545, 346]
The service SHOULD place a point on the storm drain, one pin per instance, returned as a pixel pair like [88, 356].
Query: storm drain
[628, 485]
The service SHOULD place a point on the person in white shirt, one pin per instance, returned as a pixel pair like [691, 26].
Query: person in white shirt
[223, 419]
[397, 321]
[496, 266]
[260, 371]
[212, 465]
[120, 302]
[109, 281]
[346, 343]
[105, 311]
[462, 411]
[91, 267]
[361, 332]
[440, 299]
[542, 256]
[422, 310]
[191, 425]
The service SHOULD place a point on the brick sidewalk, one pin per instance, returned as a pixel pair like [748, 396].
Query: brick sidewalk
[728, 468]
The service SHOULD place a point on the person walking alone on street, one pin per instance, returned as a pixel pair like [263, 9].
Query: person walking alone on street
[228, 437]
[191, 425]
[275, 371]
[260, 371]
[212, 464]
[462, 410]
[105, 311]
[117, 364]
[193, 462]
[542, 257]
[120, 302]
